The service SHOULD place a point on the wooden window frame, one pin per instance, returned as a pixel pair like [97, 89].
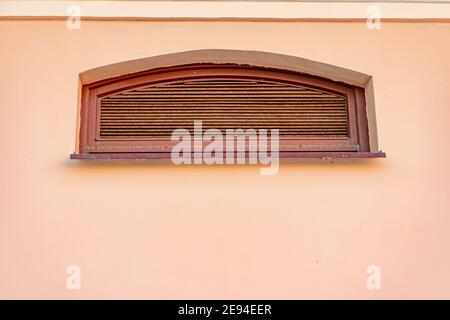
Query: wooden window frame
[92, 146]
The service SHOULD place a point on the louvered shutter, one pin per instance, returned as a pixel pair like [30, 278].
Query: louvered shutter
[156, 111]
[137, 113]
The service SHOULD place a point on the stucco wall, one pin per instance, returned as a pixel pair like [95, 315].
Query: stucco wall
[142, 229]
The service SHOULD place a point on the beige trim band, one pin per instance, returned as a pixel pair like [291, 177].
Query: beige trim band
[142, 10]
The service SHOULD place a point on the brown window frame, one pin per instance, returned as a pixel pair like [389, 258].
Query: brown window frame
[91, 146]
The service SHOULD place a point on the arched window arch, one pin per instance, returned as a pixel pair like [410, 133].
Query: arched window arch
[130, 110]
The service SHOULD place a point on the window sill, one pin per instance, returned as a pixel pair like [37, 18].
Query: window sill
[286, 155]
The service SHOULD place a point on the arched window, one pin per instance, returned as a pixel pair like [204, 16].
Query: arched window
[133, 114]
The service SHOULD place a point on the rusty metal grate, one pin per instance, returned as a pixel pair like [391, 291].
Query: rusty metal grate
[155, 111]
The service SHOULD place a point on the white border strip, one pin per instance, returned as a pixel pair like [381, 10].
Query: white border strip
[138, 10]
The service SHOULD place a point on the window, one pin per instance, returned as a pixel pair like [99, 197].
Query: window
[134, 115]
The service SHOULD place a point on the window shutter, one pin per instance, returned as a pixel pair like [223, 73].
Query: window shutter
[133, 116]
[155, 111]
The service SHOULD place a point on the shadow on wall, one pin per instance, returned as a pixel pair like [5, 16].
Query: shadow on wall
[285, 164]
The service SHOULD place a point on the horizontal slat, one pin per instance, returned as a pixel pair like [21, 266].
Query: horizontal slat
[211, 89]
[199, 116]
[159, 128]
[224, 93]
[226, 120]
[223, 106]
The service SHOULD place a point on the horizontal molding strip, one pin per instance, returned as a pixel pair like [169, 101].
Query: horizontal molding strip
[222, 10]
[283, 155]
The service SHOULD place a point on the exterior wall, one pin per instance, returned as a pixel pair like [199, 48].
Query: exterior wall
[430, 10]
[146, 229]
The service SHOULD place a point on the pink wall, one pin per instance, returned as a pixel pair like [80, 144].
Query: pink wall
[141, 229]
